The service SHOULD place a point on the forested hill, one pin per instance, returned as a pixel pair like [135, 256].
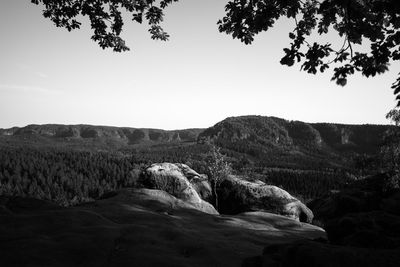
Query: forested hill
[72, 163]
[268, 141]
[97, 136]
[285, 142]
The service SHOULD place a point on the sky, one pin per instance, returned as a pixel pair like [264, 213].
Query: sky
[196, 79]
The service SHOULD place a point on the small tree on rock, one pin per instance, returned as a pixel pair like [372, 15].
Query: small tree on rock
[218, 169]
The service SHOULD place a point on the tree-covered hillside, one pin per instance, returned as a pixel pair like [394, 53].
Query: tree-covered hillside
[70, 164]
[275, 142]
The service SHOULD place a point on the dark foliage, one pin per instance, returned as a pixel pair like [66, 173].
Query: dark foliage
[64, 176]
[106, 17]
[69, 176]
[355, 21]
[365, 214]
[390, 151]
[307, 185]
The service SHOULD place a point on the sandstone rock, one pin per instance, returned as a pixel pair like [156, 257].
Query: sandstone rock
[136, 227]
[202, 187]
[174, 203]
[198, 181]
[237, 195]
[181, 182]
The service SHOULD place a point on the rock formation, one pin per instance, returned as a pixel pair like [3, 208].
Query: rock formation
[237, 195]
[136, 227]
[181, 182]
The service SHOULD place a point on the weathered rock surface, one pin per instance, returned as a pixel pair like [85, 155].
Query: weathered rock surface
[180, 181]
[236, 195]
[136, 227]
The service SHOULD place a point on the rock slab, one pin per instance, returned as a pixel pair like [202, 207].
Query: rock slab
[237, 195]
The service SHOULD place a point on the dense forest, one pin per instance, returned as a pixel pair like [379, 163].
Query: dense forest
[66, 177]
[70, 164]
[69, 177]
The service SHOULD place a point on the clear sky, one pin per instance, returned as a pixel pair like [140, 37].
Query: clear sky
[199, 77]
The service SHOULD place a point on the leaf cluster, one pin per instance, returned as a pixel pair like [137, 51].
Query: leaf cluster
[375, 22]
[106, 17]
[218, 166]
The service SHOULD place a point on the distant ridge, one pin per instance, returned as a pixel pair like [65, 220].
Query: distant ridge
[104, 137]
[256, 138]
[278, 133]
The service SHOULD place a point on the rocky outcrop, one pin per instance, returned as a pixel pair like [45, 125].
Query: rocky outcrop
[181, 182]
[198, 181]
[172, 203]
[136, 227]
[237, 195]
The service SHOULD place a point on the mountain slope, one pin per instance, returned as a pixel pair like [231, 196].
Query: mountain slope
[276, 140]
[264, 141]
[101, 136]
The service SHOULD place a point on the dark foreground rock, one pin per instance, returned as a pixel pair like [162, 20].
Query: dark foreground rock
[138, 227]
[374, 229]
[363, 229]
[311, 253]
[238, 195]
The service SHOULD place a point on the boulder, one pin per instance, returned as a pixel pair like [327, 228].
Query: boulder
[236, 195]
[180, 181]
[198, 181]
